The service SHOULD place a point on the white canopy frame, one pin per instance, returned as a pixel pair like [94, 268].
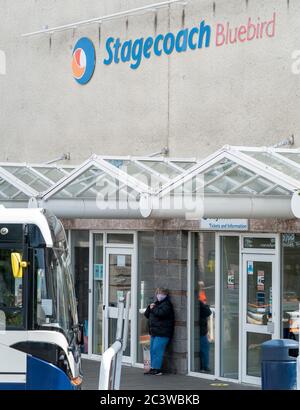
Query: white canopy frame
[237, 181]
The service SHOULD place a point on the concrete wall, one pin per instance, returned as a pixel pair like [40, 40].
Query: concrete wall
[193, 102]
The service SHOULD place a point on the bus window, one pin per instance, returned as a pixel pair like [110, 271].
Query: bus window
[11, 291]
[55, 306]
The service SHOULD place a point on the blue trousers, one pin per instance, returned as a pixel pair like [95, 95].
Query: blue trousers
[204, 352]
[158, 346]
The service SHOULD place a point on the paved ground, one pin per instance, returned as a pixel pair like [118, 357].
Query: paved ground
[134, 379]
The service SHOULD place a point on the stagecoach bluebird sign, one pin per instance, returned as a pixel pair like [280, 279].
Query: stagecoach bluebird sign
[134, 51]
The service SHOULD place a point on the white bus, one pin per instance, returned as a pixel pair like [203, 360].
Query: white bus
[40, 336]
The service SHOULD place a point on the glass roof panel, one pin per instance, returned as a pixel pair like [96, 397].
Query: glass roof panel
[183, 164]
[225, 184]
[20, 196]
[83, 184]
[191, 186]
[162, 167]
[236, 179]
[55, 174]
[293, 156]
[255, 186]
[27, 176]
[92, 183]
[112, 189]
[268, 159]
[228, 177]
[131, 168]
[219, 168]
[9, 192]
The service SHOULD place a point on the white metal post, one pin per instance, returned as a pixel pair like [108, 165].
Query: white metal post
[111, 363]
[126, 321]
[117, 366]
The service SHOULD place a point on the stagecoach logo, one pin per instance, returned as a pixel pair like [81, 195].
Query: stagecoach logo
[83, 60]
[4, 231]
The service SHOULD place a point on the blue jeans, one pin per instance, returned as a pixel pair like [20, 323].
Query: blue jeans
[204, 352]
[158, 346]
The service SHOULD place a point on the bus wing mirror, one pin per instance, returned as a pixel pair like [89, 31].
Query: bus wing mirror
[17, 264]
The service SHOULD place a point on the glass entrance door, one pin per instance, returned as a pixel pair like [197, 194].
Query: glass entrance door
[259, 311]
[119, 267]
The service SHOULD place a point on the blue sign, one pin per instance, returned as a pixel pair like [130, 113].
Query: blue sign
[250, 267]
[98, 271]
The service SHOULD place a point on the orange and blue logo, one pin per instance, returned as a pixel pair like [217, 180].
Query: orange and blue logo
[84, 60]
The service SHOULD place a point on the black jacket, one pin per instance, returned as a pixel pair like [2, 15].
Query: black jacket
[161, 318]
[205, 312]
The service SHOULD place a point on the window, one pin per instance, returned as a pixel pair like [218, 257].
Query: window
[203, 293]
[259, 243]
[11, 293]
[80, 264]
[54, 291]
[230, 306]
[290, 285]
[120, 238]
[146, 286]
[98, 275]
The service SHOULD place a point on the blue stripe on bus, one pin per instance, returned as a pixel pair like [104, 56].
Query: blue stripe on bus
[12, 386]
[42, 375]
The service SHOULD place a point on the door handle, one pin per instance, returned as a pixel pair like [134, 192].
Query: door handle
[103, 307]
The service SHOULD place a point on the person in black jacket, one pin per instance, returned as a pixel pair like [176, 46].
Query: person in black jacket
[205, 312]
[161, 327]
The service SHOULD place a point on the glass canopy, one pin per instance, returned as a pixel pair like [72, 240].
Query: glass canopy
[242, 171]
[229, 178]
[119, 178]
[19, 182]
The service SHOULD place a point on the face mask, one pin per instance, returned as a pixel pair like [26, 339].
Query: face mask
[160, 297]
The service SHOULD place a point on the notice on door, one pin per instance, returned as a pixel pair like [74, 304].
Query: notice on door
[250, 267]
[98, 271]
[260, 280]
[230, 279]
[121, 262]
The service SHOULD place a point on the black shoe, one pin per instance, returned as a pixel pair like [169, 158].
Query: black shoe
[150, 372]
[157, 372]
[206, 369]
